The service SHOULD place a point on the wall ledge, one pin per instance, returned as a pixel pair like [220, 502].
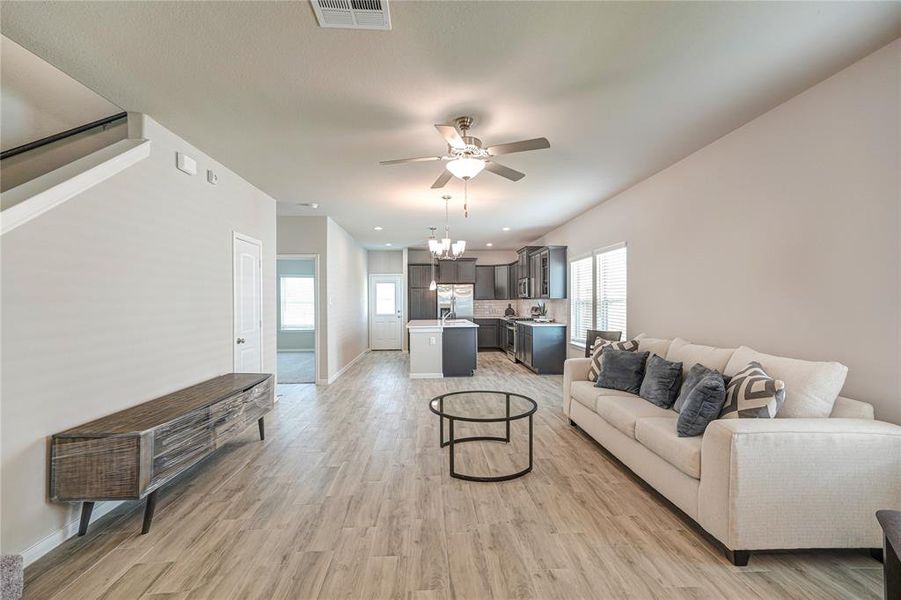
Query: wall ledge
[35, 197]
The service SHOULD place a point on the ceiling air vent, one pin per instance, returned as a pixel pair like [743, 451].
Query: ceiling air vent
[352, 14]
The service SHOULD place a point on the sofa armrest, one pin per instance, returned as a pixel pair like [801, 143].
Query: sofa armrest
[798, 483]
[846, 408]
[574, 369]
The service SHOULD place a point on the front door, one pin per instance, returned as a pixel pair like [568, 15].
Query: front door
[386, 311]
[248, 290]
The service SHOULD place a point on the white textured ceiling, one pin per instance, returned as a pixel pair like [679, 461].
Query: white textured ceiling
[621, 90]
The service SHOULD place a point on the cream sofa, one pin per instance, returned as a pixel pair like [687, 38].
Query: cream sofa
[812, 479]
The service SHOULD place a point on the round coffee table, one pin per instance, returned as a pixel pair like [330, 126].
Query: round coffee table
[481, 406]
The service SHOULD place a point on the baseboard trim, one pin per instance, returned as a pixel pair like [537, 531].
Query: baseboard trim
[426, 375]
[335, 377]
[59, 536]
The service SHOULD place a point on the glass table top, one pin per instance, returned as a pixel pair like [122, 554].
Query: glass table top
[483, 406]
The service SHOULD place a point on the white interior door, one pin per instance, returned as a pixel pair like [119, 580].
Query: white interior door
[386, 309]
[248, 290]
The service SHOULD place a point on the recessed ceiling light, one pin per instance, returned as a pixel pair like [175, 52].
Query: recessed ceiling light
[506, 228]
[308, 204]
[489, 244]
[378, 227]
[388, 243]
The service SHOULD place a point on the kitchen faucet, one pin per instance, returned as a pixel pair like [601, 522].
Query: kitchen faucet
[452, 313]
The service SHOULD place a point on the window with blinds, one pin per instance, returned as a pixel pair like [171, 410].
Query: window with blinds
[598, 293]
[610, 290]
[581, 297]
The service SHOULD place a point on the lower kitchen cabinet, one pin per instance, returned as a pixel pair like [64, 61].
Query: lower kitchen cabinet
[489, 332]
[542, 348]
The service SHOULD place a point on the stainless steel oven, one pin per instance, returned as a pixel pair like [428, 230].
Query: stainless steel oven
[510, 339]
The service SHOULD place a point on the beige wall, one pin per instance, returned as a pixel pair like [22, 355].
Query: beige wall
[119, 295]
[782, 235]
[385, 261]
[307, 235]
[348, 334]
[343, 329]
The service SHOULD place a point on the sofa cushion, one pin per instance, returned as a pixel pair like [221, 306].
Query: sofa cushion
[658, 434]
[690, 354]
[600, 345]
[622, 370]
[703, 405]
[753, 394]
[691, 379]
[623, 410]
[658, 346]
[810, 387]
[661, 382]
[584, 393]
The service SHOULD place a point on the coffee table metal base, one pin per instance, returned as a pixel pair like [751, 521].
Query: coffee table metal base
[451, 441]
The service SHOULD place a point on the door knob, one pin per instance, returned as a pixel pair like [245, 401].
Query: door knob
[241, 340]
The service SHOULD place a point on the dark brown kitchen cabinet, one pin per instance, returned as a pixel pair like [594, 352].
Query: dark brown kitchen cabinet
[489, 333]
[423, 303]
[462, 270]
[420, 276]
[466, 270]
[501, 282]
[485, 288]
[547, 270]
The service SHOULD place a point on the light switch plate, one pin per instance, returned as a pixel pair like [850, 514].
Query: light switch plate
[185, 163]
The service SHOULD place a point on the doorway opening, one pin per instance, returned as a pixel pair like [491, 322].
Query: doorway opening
[297, 338]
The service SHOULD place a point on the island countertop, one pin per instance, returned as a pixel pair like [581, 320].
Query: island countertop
[436, 324]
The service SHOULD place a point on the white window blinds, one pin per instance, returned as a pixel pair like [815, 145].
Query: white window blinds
[297, 303]
[610, 290]
[581, 298]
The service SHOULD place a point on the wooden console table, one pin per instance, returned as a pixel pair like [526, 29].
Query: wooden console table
[130, 454]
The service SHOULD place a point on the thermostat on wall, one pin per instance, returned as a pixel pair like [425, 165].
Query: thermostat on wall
[185, 163]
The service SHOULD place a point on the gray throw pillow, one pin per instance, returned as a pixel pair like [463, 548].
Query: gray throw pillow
[702, 405]
[622, 370]
[661, 381]
[691, 379]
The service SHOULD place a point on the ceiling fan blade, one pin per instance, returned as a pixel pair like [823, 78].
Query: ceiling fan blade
[534, 144]
[451, 135]
[401, 161]
[442, 179]
[499, 169]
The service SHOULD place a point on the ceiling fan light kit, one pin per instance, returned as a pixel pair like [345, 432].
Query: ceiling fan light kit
[466, 156]
[466, 168]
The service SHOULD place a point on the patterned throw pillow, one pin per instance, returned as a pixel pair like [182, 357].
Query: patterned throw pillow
[599, 346]
[753, 394]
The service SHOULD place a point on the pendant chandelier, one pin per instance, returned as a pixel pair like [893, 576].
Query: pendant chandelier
[444, 249]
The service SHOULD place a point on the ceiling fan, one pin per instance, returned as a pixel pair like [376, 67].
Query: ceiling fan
[466, 157]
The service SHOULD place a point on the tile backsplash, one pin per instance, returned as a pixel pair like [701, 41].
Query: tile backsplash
[558, 310]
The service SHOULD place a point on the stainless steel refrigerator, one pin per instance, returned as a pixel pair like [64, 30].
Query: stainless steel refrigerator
[457, 298]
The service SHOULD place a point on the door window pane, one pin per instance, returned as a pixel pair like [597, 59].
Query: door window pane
[297, 303]
[384, 298]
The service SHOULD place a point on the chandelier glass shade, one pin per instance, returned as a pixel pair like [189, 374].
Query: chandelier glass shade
[465, 168]
[445, 248]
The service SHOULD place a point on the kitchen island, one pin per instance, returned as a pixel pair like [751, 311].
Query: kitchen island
[442, 349]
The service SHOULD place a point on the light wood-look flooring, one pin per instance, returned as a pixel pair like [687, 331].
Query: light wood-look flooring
[349, 497]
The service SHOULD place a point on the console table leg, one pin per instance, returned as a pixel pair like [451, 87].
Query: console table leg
[148, 511]
[86, 509]
[262, 430]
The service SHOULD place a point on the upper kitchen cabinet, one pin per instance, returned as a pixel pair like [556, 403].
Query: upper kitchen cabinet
[420, 276]
[462, 270]
[485, 277]
[547, 270]
[502, 282]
